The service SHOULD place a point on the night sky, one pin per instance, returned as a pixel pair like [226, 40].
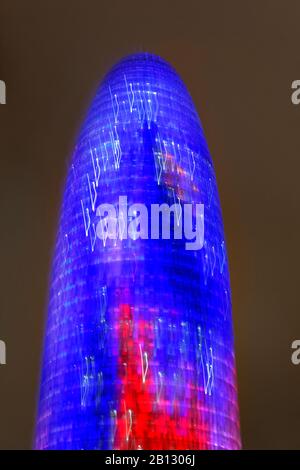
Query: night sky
[238, 60]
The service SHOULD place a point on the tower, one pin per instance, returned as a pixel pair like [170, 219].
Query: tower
[138, 349]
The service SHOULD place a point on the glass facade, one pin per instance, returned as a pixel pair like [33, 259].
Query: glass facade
[138, 349]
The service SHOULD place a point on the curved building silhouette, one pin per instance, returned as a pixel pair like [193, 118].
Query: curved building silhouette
[138, 349]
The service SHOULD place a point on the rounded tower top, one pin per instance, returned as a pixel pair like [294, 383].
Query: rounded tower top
[145, 87]
[147, 65]
[142, 59]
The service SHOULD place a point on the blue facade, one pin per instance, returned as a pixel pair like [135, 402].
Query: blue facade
[139, 349]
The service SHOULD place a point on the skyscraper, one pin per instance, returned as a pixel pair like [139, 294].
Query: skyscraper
[139, 350]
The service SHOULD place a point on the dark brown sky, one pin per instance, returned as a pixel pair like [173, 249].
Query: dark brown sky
[238, 60]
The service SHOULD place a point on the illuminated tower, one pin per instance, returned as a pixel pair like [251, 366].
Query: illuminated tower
[139, 349]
